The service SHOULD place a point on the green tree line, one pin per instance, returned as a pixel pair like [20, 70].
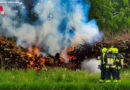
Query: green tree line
[113, 15]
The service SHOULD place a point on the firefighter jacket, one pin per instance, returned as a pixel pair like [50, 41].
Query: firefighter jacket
[119, 61]
[110, 60]
[101, 60]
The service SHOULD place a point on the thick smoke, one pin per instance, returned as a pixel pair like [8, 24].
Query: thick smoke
[13, 25]
[62, 23]
[90, 65]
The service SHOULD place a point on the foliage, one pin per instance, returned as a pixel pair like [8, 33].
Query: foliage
[59, 79]
[111, 14]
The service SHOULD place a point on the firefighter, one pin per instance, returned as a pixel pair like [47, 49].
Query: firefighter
[119, 63]
[101, 62]
[110, 66]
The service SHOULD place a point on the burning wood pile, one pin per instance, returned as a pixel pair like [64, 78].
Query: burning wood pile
[87, 51]
[35, 59]
[12, 56]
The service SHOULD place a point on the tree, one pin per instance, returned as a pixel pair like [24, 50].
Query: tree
[111, 14]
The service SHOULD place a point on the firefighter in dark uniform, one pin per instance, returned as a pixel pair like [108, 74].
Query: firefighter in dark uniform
[101, 64]
[110, 66]
[119, 63]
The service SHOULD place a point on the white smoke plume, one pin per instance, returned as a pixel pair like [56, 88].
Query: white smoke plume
[90, 65]
[63, 22]
[87, 31]
[25, 32]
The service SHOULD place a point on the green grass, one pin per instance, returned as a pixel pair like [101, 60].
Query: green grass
[59, 79]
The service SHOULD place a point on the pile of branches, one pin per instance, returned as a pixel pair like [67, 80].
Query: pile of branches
[13, 56]
[88, 51]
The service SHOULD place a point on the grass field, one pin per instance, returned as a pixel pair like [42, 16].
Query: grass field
[59, 79]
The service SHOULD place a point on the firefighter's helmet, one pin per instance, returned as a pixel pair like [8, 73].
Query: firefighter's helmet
[116, 50]
[112, 50]
[104, 50]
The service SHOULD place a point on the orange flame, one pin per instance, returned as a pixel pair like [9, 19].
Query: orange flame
[36, 50]
[69, 50]
[36, 60]
[43, 60]
[29, 54]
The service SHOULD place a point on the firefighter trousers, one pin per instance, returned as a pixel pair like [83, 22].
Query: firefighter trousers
[103, 72]
[110, 71]
[118, 74]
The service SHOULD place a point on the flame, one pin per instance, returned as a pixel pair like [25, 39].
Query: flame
[29, 54]
[68, 55]
[71, 57]
[69, 50]
[62, 59]
[31, 63]
[36, 60]
[36, 50]
[43, 60]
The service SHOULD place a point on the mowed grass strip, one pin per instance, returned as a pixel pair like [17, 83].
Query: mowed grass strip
[59, 79]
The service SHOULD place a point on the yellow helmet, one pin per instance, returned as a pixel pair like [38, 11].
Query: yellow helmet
[113, 50]
[110, 50]
[104, 50]
[116, 50]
